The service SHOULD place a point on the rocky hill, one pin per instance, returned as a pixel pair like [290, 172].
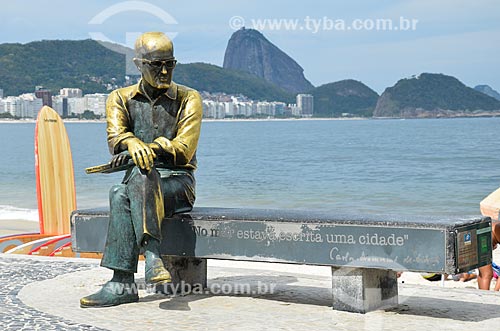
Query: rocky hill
[346, 96]
[94, 68]
[433, 95]
[488, 90]
[248, 50]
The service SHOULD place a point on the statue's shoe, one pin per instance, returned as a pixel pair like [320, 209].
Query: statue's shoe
[156, 273]
[111, 294]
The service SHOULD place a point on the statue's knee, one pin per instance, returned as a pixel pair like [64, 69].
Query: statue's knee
[117, 193]
[143, 178]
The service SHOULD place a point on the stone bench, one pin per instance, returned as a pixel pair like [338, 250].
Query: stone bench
[363, 252]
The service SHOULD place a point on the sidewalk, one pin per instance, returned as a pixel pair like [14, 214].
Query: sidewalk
[43, 293]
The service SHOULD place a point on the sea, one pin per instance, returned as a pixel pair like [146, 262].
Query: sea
[417, 167]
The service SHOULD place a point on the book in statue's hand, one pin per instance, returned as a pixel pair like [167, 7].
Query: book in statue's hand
[107, 168]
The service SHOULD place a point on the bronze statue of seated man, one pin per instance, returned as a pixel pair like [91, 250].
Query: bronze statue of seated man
[157, 124]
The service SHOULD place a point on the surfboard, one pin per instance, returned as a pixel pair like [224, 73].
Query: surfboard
[55, 183]
[490, 206]
[64, 249]
[32, 245]
[11, 241]
[47, 248]
[41, 244]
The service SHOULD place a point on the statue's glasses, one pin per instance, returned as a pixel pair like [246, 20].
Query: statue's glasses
[158, 64]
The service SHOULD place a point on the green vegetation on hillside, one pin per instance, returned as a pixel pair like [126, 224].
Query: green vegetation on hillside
[55, 64]
[346, 96]
[88, 65]
[211, 78]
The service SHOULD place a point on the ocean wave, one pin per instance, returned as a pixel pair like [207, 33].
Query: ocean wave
[15, 213]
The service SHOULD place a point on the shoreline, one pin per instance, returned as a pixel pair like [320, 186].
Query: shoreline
[33, 121]
[290, 119]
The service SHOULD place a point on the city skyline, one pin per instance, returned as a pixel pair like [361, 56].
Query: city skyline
[457, 38]
[71, 102]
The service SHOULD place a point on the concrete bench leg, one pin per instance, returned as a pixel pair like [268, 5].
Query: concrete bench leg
[189, 272]
[362, 290]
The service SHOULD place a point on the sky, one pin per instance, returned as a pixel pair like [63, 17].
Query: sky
[376, 42]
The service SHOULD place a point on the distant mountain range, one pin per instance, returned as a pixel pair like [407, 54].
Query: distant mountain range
[253, 67]
[94, 68]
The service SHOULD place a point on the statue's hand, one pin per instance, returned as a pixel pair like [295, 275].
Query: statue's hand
[142, 155]
[119, 159]
[155, 147]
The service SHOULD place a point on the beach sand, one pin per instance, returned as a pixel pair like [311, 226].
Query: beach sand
[9, 227]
